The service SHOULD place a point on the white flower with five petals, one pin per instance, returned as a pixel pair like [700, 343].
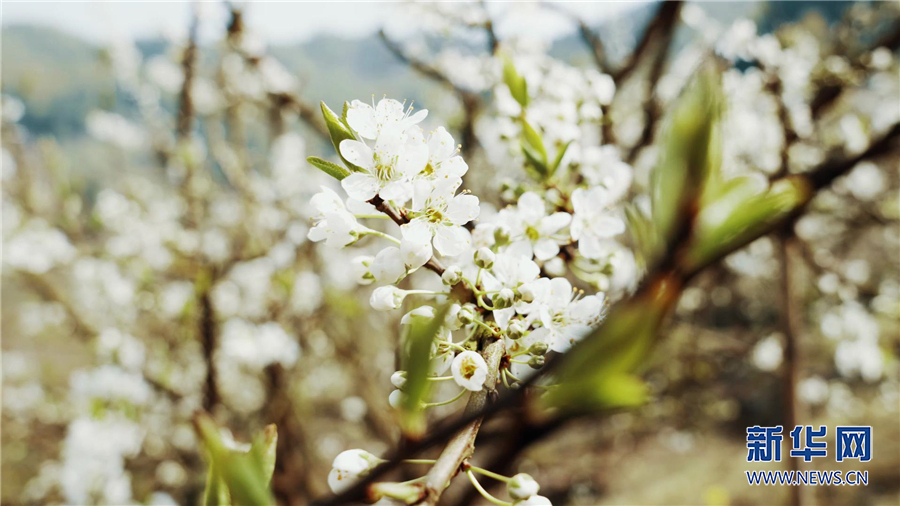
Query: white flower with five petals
[534, 233]
[387, 169]
[593, 222]
[439, 214]
[566, 316]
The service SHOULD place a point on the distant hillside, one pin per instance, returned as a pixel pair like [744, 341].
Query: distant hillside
[61, 77]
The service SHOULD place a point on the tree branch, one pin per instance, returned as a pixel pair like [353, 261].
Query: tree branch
[663, 22]
[188, 64]
[462, 445]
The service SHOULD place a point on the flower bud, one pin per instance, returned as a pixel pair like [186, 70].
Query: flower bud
[526, 293]
[484, 258]
[503, 299]
[465, 315]
[348, 467]
[452, 275]
[522, 486]
[395, 399]
[536, 362]
[398, 379]
[515, 330]
[539, 348]
[385, 298]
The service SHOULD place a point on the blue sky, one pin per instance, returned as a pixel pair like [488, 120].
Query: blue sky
[277, 22]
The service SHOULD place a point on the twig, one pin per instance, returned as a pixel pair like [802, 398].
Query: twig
[789, 326]
[188, 64]
[463, 444]
[208, 341]
[664, 21]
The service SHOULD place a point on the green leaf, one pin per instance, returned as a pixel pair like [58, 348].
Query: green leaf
[690, 154]
[242, 472]
[264, 448]
[536, 168]
[339, 132]
[518, 88]
[534, 142]
[741, 213]
[534, 151]
[559, 156]
[332, 169]
[416, 363]
[216, 492]
[599, 372]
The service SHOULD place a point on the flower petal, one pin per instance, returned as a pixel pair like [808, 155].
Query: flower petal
[451, 241]
[360, 186]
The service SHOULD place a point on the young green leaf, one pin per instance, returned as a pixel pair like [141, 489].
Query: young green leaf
[559, 156]
[599, 372]
[689, 155]
[241, 472]
[264, 448]
[741, 213]
[332, 169]
[416, 363]
[518, 88]
[216, 492]
[339, 132]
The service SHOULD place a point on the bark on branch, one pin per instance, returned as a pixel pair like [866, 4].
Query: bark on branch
[462, 445]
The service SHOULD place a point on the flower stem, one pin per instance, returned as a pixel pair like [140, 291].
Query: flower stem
[425, 292]
[372, 216]
[444, 403]
[389, 237]
[484, 493]
[489, 474]
[485, 326]
[441, 378]
[419, 461]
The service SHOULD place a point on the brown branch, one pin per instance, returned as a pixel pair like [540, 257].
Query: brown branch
[828, 94]
[493, 42]
[662, 22]
[667, 18]
[208, 341]
[282, 100]
[789, 326]
[462, 445]
[188, 64]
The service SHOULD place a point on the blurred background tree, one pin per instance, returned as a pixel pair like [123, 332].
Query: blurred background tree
[156, 205]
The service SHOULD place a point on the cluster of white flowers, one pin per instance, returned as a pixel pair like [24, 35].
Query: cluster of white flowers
[504, 262]
[498, 260]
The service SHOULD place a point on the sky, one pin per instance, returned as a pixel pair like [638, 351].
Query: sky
[277, 22]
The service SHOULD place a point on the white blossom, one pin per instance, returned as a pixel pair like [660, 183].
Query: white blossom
[469, 370]
[533, 231]
[333, 223]
[592, 221]
[439, 214]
